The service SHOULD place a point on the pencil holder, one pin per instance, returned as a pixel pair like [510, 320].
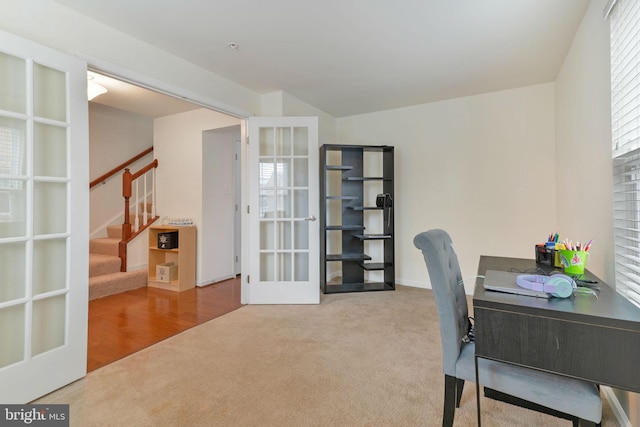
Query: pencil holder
[574, 262]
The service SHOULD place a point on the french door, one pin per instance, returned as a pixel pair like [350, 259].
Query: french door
[44, 211]
[283, 206]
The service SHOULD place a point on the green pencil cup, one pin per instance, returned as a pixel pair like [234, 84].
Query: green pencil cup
[574, 262]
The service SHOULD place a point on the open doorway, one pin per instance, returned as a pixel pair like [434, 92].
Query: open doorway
[124, 121]
[221, 202]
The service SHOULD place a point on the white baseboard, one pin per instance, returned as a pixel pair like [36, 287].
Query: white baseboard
[413, 283]
[618, 411]
[202, 283]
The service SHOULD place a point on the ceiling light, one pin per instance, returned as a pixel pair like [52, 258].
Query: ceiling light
[94, 89]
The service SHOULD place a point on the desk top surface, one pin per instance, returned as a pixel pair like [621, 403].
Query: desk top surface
[609, 309]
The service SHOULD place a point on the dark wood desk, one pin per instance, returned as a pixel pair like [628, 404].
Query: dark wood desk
[595, 339]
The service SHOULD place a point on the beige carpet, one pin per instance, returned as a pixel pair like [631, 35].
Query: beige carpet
[360, 359]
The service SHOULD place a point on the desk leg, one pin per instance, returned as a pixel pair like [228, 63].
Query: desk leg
[475, 358]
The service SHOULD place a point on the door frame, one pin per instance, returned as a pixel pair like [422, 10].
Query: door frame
[138, 79]
[127, 75]
[224, 200]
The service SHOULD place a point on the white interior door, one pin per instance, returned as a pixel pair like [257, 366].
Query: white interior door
[44, 224]
[218, 204]
[283, 206]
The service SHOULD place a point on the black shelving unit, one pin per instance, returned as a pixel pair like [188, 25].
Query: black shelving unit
[356, 238]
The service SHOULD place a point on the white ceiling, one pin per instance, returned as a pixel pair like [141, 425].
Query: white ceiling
[349, 57]
[129, 97]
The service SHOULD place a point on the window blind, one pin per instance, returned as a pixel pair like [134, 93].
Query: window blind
[12, 160]
[625, 124]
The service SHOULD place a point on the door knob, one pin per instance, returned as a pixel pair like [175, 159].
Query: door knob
[311, 218]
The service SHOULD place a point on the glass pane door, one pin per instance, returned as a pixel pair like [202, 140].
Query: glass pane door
[285, 263]
[34, 226]
[37, 186]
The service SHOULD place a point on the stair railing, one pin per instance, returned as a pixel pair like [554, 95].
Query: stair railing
[103, 178]
[131, 184]
[128, 179]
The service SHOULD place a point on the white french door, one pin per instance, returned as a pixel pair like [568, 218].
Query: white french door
[283, 206]
[44, 211]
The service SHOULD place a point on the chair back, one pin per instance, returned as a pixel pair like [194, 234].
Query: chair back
[448, 289]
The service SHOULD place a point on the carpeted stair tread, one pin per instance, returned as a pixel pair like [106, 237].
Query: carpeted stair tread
[114, 231]
[105, 277]
[104, 246]
[108, 284]
[100, 264]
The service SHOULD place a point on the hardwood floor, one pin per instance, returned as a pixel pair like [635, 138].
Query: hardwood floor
[124, 323]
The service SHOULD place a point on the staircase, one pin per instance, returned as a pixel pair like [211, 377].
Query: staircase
[108, 273]
[105, 277]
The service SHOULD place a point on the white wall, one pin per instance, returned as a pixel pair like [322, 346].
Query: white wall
[283, 104]
[480, 167]
[178, 148]
[271, 104]
[292, 106]
[583, 140]
[115, 136]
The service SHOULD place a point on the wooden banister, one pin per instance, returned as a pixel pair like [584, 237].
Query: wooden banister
[128, 233]
[144, 170]
[102, 178]
[126, 193]
[122, 246]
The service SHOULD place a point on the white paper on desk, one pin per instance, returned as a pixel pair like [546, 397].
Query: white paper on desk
[505, 281]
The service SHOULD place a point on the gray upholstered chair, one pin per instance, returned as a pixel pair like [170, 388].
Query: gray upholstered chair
[555, 394]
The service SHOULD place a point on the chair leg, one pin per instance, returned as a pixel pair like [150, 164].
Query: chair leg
[449, 400]
[459, 387]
